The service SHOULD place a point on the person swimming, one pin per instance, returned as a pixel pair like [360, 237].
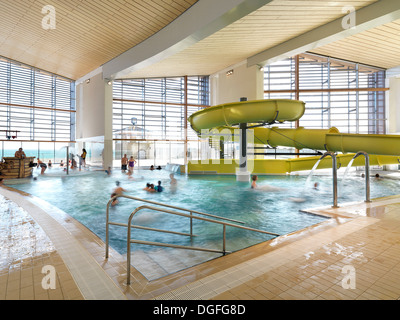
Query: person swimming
[117, 192]
[152, 189]
[263, 187]
[147, 188]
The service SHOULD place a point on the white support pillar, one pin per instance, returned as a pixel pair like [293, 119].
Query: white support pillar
[108, 153]
[242, 173]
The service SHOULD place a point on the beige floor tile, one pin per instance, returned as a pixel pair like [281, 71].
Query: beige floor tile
[309, 267]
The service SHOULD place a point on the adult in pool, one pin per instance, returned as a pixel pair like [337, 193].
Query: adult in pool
[173, 180]
[124, 163]
[131, 164]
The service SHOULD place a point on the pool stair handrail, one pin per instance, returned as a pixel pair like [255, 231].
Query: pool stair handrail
[367, 180]
[190, 216]
[155, 203]
[334, 176]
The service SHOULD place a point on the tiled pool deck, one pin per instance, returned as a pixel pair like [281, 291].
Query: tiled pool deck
[309, 264]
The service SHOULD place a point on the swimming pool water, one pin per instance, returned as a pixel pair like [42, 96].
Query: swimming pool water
[85, 196]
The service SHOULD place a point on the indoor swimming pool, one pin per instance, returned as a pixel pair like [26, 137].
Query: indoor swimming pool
[274, 207]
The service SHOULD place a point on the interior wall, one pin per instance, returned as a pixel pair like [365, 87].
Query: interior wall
[94, 114]
[393, 105]
[243, 82]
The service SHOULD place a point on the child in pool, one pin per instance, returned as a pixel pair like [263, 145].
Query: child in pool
[117, 192]
[253, 183]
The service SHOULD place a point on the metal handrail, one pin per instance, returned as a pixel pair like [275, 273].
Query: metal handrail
[334, 174]
[159, 204]
[225, 224]
[367, 181]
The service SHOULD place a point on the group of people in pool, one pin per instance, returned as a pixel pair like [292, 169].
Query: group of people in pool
[149, 188]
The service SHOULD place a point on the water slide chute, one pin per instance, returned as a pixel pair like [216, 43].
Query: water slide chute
[329, 140]
[262, 112]
[257, 111]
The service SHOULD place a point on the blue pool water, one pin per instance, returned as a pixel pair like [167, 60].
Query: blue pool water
[84, 197]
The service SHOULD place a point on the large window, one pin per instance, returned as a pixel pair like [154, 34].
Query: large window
[35, 105]
[346, 95]
[150, 117]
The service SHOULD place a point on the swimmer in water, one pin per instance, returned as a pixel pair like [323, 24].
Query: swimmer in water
[253, 183]
[173, 180]
[152, 189]
[147, 188]
[117, 192]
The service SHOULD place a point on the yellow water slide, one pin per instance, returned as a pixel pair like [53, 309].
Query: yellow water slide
[385, 147]
[257, 111]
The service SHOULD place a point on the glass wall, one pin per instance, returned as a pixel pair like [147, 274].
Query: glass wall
[342, 94]
[150, 118]
[37, 111]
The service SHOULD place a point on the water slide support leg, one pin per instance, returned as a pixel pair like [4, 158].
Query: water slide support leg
[242, 174]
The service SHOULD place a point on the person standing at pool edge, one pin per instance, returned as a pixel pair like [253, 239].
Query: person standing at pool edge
[131, 164]
[42, 165]
[124, 163]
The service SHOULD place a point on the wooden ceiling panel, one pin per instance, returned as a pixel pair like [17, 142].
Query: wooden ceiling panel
[274, 23]
[90, 33]
[378, 47]
[94, 31]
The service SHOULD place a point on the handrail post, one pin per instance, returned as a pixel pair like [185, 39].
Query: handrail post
[335, 182]
[224, 240]
[367, 179]
[191, 216]
[191, 224]
[107, 229]
[128, 247]
[334, 174]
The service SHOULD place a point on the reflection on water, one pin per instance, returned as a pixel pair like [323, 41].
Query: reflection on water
[84, 197]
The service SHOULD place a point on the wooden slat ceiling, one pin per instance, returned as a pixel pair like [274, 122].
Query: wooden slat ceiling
[88, 33]
[376, 47]
[274, 23]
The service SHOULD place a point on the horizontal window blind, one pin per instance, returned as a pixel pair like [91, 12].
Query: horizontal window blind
[342, 94]
[40, 105]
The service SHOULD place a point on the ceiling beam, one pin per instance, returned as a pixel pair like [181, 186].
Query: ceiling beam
[203, 19]
[374, 15]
